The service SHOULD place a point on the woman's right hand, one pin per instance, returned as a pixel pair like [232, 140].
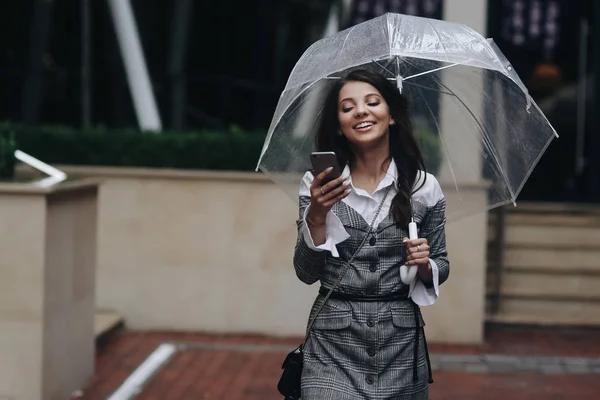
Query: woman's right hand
[324, 196]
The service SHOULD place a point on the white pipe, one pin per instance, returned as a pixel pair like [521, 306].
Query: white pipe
[134, 384]
[135, 65]
[55, 174]
[333, 21]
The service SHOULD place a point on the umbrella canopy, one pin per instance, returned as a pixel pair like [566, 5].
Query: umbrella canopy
[474, 119]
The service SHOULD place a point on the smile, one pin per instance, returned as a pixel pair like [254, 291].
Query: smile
[364, 125]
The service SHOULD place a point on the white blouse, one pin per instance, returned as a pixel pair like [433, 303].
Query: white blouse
[366, 205]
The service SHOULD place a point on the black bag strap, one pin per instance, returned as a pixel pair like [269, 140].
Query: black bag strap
[339, 280]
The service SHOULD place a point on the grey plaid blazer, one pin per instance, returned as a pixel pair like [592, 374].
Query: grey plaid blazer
[365, 350]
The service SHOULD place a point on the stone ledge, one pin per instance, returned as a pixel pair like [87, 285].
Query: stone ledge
[106, 321]
[32, 188]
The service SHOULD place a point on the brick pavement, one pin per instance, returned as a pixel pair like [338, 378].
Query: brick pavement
[512, 364]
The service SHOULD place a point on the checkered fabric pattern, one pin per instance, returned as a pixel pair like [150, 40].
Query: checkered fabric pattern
[364, 350]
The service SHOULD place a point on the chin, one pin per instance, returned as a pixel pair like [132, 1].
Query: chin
[368, 139]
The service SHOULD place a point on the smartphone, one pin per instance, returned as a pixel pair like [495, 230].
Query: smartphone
[321, 160]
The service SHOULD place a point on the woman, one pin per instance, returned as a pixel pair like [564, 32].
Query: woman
[367, 341]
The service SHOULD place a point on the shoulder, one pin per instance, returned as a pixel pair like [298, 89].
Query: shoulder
[305, 183]
[429, 190]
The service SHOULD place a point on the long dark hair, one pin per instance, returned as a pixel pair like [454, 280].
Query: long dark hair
[403, 146]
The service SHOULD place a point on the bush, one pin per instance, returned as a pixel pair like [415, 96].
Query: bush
[7, 150]
[186, 150]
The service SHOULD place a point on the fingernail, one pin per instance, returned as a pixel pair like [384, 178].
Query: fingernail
[329, 169]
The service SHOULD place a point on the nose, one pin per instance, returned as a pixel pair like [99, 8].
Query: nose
[360, 111]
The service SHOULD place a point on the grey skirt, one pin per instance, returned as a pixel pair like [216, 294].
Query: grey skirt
[367, 351]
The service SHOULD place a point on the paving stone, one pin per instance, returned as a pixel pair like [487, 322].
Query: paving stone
[452, 366]
[594, 362]
[552, 369]
[575, 361]
[247, 367]
[496, 358]
[550, 360]
[578, 369]
[461, 358]
[502, 367]
[477, 367]
[528, 364]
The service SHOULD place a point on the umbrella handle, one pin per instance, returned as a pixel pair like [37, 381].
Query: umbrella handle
[408, 274]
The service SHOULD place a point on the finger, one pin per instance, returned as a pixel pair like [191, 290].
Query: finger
[318, 191]
[332, 194]
[419, 255]
[418, 248]
[334, 183]
[317, 182]
[337, 199]
[418, 261]
[417, 242]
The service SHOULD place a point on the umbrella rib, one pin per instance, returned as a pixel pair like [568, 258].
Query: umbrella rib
[429, 72]
[428, 88]
[390, 72]
[441, 137]
[485, 142]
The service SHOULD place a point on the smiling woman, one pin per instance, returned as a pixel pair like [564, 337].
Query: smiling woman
[366, 337]
[367, 96]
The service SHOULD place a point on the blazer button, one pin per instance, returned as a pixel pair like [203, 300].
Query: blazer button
[371, 322]
[370, 379]
[372, 241]
[371, 352]
[373, 267]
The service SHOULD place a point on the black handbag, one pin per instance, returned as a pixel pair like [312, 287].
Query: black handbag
[290, 381]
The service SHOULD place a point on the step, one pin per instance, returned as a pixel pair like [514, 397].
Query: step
[544, 312]
[566, 237]
[557, 220]
[106, 321]
[557, 208]
[574, 320]
[551, 260]
[543, 286]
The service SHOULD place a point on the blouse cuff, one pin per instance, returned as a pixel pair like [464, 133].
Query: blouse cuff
[334, 233]
[423, 295]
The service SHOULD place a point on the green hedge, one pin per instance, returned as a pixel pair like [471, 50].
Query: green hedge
[186, 150]
[7, 149]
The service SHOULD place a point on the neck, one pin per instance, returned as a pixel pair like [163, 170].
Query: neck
[372, 164]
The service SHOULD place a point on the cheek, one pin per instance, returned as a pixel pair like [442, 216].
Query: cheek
[344, 120]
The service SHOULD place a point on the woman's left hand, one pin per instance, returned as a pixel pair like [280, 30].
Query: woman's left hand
[417, 253]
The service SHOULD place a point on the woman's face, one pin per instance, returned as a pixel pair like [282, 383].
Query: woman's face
[363, 113]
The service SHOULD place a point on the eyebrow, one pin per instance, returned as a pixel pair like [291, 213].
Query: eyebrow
[368, 95]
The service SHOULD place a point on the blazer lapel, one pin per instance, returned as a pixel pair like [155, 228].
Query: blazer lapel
[349, 217]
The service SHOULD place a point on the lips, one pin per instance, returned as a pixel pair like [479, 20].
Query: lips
[364, 126]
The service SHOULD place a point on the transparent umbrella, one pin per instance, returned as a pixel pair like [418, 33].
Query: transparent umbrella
[476, 124]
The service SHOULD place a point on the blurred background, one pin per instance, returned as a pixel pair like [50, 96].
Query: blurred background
[219, 66]
[157, 110]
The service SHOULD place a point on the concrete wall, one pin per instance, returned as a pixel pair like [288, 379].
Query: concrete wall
[212, 251]
[47, 262]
